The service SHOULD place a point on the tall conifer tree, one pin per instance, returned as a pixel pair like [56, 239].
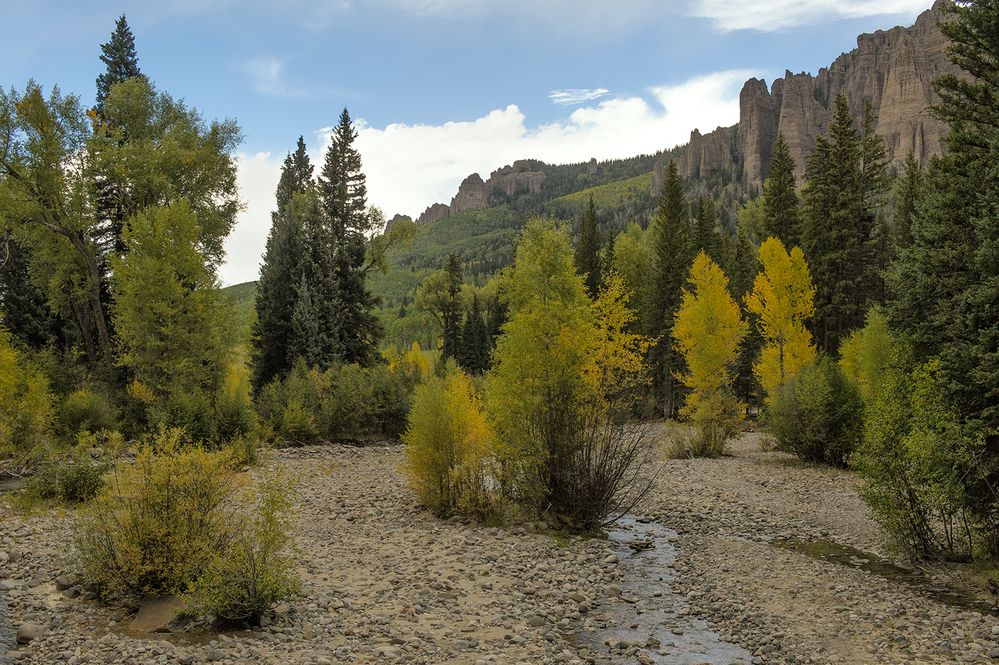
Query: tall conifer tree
[451, 314]
[281, 271]
[343, 197]
[120, 58]
[780, 199]
[588, 249]
[705, 231]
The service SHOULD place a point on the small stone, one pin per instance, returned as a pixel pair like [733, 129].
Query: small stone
[612, 558]
[28, 632]
[66, 581]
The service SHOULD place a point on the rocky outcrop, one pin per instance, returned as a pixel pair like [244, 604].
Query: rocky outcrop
[396, 221]
[473, 194]
[436, 212]
[892, 69]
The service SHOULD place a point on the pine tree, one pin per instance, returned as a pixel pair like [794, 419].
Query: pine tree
[588, 250]
[607, 259]
[780, 199]
[451, 311]
[281, 271]
[120, 58]
[672, 255]
[705, 231]
[839, 232]
[343, 197]
[741, 265]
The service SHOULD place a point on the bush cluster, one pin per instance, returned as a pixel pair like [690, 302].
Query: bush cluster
[174, 521]
[345, 401]
[818, 415]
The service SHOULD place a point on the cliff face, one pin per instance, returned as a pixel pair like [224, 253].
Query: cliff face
[892, 69]
[474, 193]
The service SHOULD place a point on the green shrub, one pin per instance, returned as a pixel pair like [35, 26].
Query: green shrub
[87, 411]
[818, 415]
[921, 467]
[159, 521]
[72, 480]
[866, 353]
[448, 447]
[256, 571]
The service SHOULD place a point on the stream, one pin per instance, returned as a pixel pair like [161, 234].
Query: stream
[648, 615]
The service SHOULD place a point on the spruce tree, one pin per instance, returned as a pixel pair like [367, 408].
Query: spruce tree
[672, 255]
[473, 352]
[120, 58]
[705, 231]
[343, 197]
[588, 250]
[780, 199]
[838, 228]
[451, 314]
[281, 271]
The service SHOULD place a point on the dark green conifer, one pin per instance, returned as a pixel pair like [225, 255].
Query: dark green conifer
[120, 58]
[451, 316]
[780, 199]
[343, 199]
[705, 231]
[281, 271]
[907, 190]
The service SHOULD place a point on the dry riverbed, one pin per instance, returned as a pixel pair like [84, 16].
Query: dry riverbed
[385, 582]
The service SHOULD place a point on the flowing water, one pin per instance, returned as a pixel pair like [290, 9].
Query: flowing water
[826, 550]
[658, 624]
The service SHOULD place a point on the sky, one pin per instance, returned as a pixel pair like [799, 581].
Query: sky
[440, 89]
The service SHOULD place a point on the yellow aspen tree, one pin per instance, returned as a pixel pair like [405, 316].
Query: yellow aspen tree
[708, 329]
[783, 299]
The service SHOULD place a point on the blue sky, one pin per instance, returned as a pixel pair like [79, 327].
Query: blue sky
[443, 88]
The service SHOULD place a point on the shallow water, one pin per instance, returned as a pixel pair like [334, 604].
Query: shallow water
[826, 550]
[651, 617]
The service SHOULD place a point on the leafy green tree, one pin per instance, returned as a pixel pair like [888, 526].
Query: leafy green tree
[780, 198]
[706, 237]
[174, 325]
[672, 254]
[839, 233]
[280, 270]
[122, 62]
[343, 199]
[588, 249]
[23, 307]
[633, 261]
[44, 198]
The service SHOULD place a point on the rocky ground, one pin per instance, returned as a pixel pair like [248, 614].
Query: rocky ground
[385, 582]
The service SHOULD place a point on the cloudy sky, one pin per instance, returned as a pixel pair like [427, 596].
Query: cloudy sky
[442, 88]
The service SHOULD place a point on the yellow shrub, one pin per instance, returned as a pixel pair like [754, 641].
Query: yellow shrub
[25, 403]
[159, 521]
[448, 446]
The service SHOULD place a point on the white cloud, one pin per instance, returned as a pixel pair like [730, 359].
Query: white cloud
[770, 15]
[409, 167]
[257, 178]
[573, 96]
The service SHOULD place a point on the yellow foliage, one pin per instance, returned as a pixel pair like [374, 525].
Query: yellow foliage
[141, 392]
[617, 359]
[448, 446]
[708, 329]
[783, 299]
